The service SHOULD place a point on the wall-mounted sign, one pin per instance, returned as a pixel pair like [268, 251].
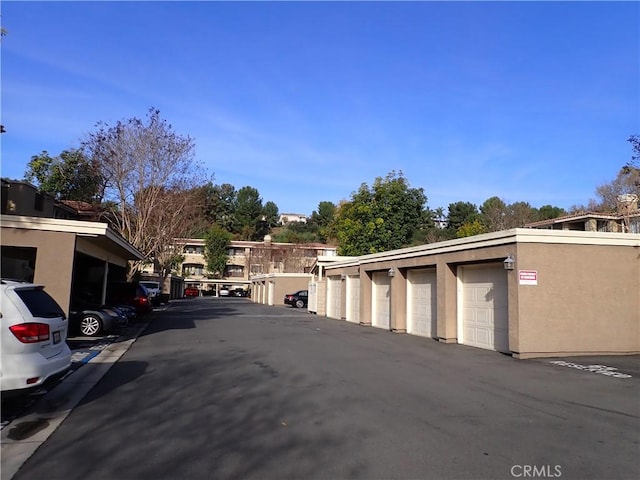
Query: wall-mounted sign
[528, 277]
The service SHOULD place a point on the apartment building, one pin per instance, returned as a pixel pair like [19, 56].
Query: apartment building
[626, 219]
[248, 258]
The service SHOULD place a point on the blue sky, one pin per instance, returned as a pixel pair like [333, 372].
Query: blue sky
[527, 101]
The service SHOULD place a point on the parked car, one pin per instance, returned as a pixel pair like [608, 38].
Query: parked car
[87, 300]
[33, 340]
[239, 292]
[191, 292]
[154, 290]
[92, 322]
[128, 311]
[298, 299]
[224, 292]
[129, 293]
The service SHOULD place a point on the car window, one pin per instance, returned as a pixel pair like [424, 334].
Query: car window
[142, 291]
[303, 293]
[40, 303]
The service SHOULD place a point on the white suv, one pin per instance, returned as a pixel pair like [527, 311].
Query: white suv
[33, 346]
[154, 290]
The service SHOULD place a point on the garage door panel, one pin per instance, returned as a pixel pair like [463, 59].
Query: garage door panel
[381, 300]
[353, 299]
[485, 321]
[334, 297]
[421, 303]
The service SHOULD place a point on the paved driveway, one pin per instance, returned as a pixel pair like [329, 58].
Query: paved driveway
[226, 389]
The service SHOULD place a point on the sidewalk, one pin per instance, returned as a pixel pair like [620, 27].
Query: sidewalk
[22, 437]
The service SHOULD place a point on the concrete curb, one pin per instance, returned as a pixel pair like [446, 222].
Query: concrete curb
[22, 437]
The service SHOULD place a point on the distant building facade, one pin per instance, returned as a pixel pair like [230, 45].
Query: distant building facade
[625, 220]
[247, 258]
[285, 218]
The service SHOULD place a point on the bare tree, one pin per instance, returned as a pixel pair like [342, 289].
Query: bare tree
[626, 182]
[151, 179]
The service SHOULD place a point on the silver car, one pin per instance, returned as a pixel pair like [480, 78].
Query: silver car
[33, 347]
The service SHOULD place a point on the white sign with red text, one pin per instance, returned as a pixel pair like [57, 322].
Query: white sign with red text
[528, 277]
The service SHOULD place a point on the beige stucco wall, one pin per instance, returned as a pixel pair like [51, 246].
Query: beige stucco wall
[93, 249]
[284, 285]
[587, 300]
[279, 285]
[54, 259]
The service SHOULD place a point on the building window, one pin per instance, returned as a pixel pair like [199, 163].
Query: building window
[234, 271]
[193, 269]
[193, 249]
[256, 268]
[18, 263]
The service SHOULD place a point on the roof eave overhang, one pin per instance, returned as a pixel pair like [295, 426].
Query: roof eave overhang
[505, 237]
[77, 227]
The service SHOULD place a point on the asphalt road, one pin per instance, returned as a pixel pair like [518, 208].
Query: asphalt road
[226, 389]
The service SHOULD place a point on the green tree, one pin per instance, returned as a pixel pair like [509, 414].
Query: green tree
[216, 249]
[461, 213]
[547, 212]
[494, 214]
[383, 217]
[476, 227]
[223, 208]
[69, 176]
[218, 204]
[294, 233]
[248, 214]
[321, 221]
[521, 213]
[271, 214]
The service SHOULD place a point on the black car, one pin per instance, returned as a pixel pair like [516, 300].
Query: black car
[92, 322]
[298, 299]
[90, 318]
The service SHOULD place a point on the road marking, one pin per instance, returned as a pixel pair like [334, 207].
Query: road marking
[83, 357]
[601, 369]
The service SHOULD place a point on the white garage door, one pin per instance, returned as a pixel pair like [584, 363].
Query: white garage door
[421, 303]
[353, 299]
[312, 305]
[334, 298]
[271, 290]
[485, 315]
[381, 300]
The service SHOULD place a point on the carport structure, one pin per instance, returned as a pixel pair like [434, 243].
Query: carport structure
[64, 255]
[524, 292]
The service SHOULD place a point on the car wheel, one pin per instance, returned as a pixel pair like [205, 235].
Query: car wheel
[299, 303]
[90, 326]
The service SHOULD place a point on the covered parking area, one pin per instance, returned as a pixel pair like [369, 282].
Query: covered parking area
[71, 258]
